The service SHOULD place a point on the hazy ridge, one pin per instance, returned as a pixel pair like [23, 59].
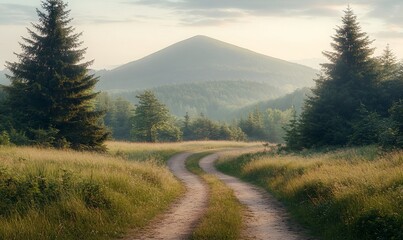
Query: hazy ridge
[203, 59]
[216, 100]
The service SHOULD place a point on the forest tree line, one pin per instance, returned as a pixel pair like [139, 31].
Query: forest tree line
[126, 121]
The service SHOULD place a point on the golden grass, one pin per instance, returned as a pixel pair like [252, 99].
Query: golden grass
[347, 194]
[116, 147]
[52, 194]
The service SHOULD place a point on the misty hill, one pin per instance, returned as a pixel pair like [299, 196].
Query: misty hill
[203, 59]
[295, 99]
[216, 100]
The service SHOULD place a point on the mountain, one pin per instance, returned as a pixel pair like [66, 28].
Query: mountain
[314, 63]
[217, 100]
[203, 59]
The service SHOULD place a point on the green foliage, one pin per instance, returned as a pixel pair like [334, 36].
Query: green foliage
[352, 101]
[169, 132]
[396, 116]
[291, 100]
[203, 128]
[151, 120]
[292, 135]
[118, 115]
[4, 138]
[19, 137]
[375, 224]
[389, 68]
[347, 81]
[267, 125]
[51, 91]
[365, 128]
[94, 195]
[20, 193]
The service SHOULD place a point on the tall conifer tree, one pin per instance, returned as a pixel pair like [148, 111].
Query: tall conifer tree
[150, 116]
[348, 81]
[51, 90]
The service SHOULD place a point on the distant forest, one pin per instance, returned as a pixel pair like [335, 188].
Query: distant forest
[217, 100]
[262, 125]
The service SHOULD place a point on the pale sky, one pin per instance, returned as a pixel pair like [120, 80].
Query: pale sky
[120, 31]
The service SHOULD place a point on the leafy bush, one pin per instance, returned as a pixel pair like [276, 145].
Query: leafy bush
[4, 138]
[374, 224]
[94, 195]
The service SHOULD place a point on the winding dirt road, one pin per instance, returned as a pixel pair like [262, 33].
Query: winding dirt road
[266, 217]
[182, 218]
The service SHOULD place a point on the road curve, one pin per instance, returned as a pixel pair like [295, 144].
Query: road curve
[266, 217]
[181, 219]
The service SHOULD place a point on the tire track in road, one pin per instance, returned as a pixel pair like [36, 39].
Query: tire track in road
[266, 217]
[179, 222]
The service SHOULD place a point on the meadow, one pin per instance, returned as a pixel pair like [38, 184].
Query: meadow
[345, 194]
[62, 194]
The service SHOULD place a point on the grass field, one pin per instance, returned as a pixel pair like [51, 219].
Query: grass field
[347, 194]
[50, 194]
[223, 219]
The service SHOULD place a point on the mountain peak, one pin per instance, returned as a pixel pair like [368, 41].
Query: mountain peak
[200, 59]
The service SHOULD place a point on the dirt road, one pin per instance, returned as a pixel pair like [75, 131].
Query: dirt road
[181, 219]
[266, 217]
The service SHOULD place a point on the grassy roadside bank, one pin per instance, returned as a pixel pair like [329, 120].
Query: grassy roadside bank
[223, 219]
[51, 194]
[347, 194]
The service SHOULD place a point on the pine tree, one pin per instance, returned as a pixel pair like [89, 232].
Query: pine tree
[292, 135]
[348, 81]
[389, 67]
[51, 91]
[150, 116]
[186, 127]
[391, 85]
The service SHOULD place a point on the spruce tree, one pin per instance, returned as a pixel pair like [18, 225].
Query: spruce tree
[51, 92]
[389, 67]
[391, 85]
[149, 117]
[348, 81]
[292, 135]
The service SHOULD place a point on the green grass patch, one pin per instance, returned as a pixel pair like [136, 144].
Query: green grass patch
[223, 219]
[345, 194]
[51, 194]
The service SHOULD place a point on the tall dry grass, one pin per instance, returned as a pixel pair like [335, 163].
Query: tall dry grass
[51, 194]
[347, 194]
